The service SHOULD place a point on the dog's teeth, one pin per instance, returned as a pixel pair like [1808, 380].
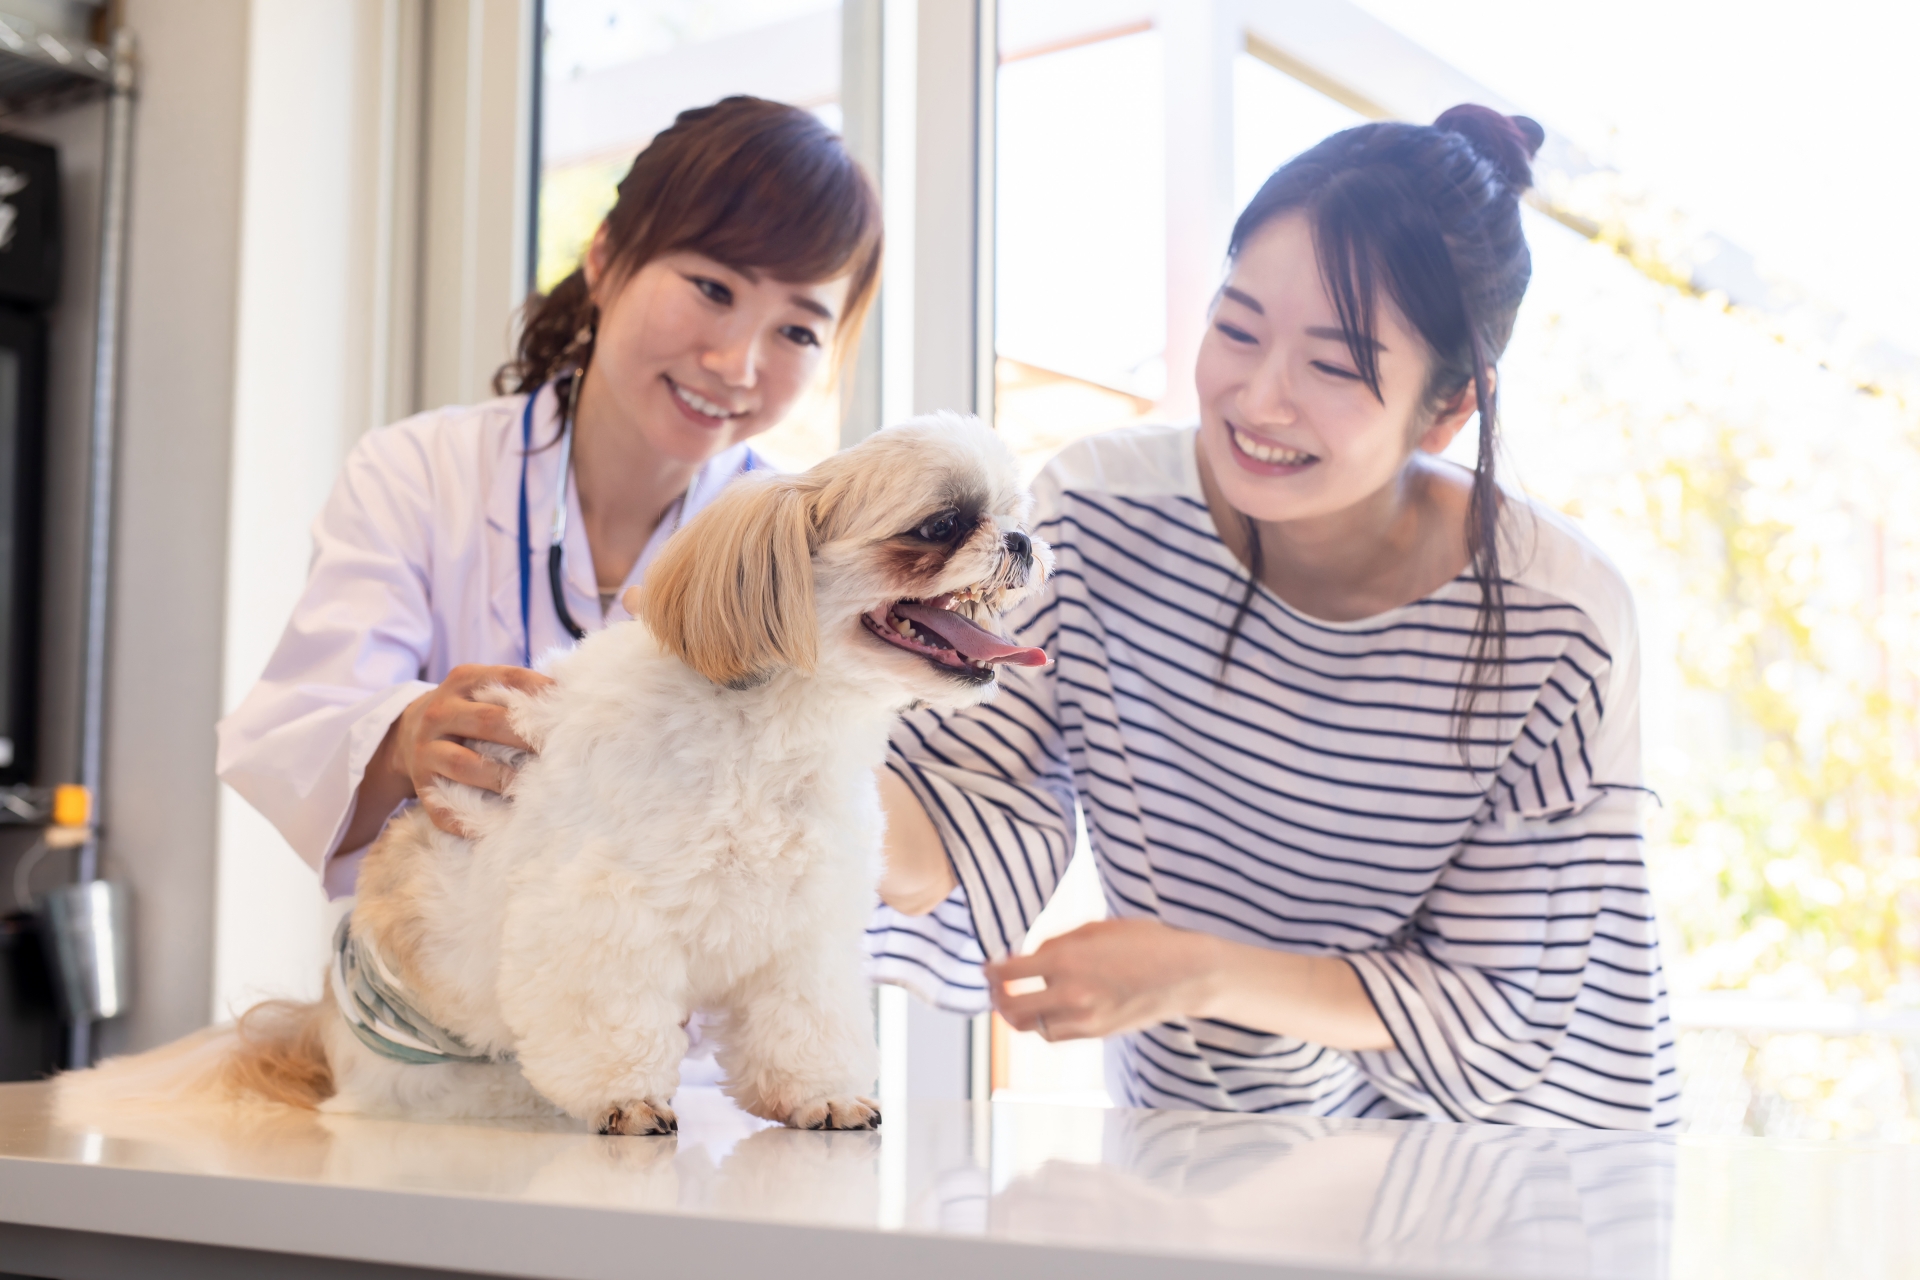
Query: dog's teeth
[904, 627]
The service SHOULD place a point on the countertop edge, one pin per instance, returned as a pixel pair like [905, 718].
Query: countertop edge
[503, 1237]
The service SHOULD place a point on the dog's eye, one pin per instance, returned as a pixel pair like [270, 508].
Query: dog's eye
[940, 527]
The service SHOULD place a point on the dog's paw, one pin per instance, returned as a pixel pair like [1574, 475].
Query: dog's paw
[836, 1113]
[637, 1118]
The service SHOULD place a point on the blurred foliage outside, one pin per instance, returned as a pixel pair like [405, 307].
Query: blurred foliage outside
[1763, 506]
[573, 200]
[1762, 495]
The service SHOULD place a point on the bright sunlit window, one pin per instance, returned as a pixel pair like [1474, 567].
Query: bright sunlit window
[1747, 460]
[1081, 232]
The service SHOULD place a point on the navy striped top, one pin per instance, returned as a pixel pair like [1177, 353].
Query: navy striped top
[1495, 906]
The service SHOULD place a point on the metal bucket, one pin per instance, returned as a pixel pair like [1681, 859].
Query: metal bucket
[86, 932]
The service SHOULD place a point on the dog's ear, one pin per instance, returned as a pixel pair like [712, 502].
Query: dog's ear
[732, 593]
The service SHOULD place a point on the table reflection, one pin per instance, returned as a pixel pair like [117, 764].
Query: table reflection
[1482, 1200]
[1485, 1200]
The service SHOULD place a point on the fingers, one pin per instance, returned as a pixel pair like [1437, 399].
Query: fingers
[1054, 1008]
[1042, 992]
[518, 679]
[450, 760]
[459, 718]
[1055, 1018]
[1016, 967]
[454, 711]
[469, 676]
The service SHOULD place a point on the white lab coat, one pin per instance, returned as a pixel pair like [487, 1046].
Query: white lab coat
[413, 573]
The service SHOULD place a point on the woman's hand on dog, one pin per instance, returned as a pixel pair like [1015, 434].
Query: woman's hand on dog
[424, 743]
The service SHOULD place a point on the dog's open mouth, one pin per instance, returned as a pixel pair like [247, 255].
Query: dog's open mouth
[940, 630]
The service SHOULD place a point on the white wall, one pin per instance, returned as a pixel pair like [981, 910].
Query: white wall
[478, 195]
[298, 333]
[381, 254]
[283, 161]
[171, 512]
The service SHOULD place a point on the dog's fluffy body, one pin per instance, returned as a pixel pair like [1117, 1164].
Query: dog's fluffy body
[699, 829]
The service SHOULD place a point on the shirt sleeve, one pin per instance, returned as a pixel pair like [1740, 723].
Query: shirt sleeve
[996, 782]
[352, 656]
[1528, 987]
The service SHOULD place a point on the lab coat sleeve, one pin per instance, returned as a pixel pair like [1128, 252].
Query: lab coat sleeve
[353, 653]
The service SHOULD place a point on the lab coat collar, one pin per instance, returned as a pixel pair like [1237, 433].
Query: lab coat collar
[582, 583]
[578, 579]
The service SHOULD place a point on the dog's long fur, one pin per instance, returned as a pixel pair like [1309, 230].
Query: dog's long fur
[699, 829]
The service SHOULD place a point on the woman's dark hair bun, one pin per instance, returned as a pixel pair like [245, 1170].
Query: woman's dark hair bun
[1509, 142]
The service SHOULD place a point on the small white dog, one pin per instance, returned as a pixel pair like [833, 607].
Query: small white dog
[698, 831]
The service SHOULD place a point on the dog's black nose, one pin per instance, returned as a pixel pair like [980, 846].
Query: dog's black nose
[1020, 546]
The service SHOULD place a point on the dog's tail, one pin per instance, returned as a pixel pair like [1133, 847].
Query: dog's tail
[275, 1053]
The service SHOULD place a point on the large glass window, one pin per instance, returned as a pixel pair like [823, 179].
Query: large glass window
[1752, 493]
[616, 72]
[1743, 452]
[1080, 232]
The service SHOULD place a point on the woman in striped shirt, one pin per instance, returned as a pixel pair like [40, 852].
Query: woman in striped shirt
[1354, 732]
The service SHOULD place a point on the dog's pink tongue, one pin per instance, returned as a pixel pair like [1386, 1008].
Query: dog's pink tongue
[968, 639]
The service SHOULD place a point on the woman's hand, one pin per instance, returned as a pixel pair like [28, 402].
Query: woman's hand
[421, 745]
[1107, 977]
[1119, 975]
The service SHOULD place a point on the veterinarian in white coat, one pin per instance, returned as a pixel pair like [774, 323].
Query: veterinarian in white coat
[735, 268]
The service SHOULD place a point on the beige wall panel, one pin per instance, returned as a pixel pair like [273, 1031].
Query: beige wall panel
[324, 352]
[474, 241]
[171, 511]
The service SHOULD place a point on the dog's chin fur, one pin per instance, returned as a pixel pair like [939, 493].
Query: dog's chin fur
[699, 831]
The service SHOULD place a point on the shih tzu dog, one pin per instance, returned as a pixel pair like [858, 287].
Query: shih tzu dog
[698, 829]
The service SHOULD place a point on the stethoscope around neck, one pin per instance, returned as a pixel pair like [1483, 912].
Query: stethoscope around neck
[569, 396]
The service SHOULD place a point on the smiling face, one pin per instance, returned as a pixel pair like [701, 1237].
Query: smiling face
[1288, 429]
[698, 356]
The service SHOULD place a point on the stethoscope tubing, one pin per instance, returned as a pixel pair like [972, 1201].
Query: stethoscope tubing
[557, 537]
[557, 531]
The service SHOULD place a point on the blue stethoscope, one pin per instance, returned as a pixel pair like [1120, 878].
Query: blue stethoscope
[557, 536]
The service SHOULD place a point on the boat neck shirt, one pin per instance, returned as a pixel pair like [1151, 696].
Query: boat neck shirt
[1313, 798]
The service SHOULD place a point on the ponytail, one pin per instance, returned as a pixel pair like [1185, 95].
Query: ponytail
[557, 334]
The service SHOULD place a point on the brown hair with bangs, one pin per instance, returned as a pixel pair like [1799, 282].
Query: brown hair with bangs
[1427, 216]
[758, 186]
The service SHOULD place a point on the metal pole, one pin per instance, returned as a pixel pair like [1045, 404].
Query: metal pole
[862, 99]
[116, 172]
[986, 136]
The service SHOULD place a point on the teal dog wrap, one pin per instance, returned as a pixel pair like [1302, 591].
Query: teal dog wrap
[374, 1003]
